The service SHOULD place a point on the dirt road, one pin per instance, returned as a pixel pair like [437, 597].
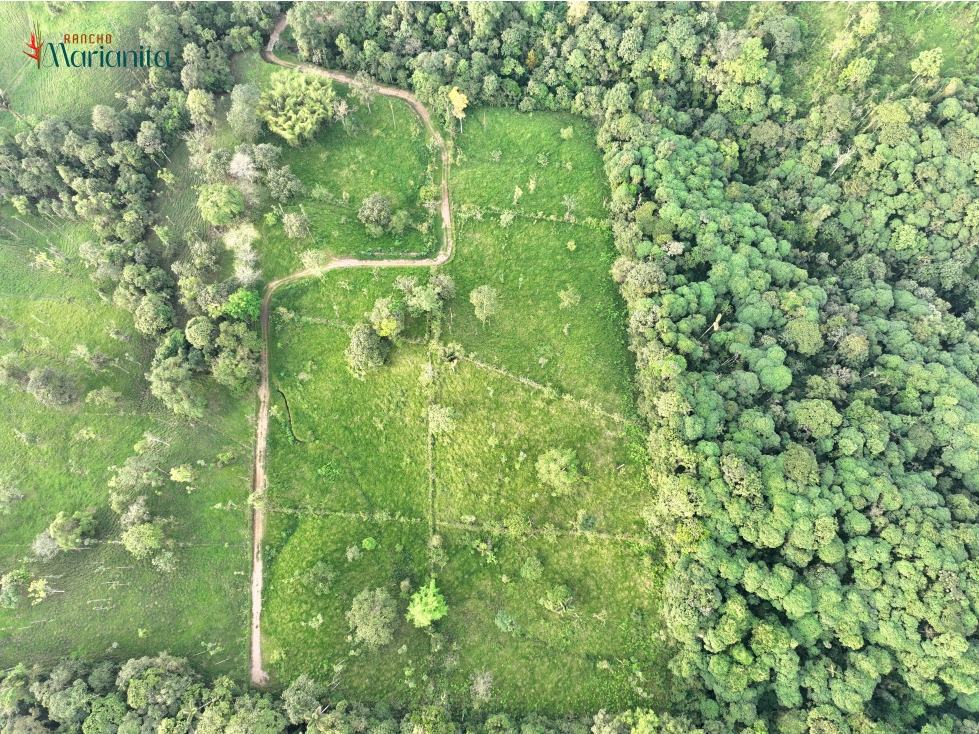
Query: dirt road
[258, 674]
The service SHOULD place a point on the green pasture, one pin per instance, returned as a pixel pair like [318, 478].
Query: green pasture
[70, 93]
[351, 459]
[59, 458]
[382, 150]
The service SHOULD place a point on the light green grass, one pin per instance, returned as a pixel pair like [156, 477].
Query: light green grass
[365, 438]
[579, 350]
[354, 461]
[486, 467]
[558, 665]
[573, 167]
[108, 596]
[911, 27]
[383, 150]
[69, 93]
[295, 546]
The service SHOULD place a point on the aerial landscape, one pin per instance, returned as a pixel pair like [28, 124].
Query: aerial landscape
[489, 367]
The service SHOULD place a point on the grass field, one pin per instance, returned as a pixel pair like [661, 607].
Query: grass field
[909, 28]
[69, 93]
[382, 150]
[59, 458]
[351, 459]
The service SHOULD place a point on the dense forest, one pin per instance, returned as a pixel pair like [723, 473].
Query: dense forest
[801, 280]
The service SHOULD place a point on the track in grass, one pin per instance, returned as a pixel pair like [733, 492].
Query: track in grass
[257, 673]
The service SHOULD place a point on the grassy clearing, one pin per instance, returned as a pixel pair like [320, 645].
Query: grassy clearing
[361, 445]
[353, 462]
[295, 642]
[382, 150]
[60, 458]
[556, 664]
[68, 93]
[486, 467]
[514, 149]
[578, 350]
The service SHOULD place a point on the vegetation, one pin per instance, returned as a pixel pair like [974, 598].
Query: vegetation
[164, 692]
[781, 502]
[802, 311]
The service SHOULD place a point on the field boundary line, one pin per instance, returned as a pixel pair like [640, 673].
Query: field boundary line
[551, 391]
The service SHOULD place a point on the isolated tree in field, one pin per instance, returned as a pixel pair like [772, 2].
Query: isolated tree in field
[67, 530]
[569, 297]
[301, 700]
[200, 105]
[367, 350]
[427, 605]
[441, 419]
[531, 569]
[558, 469]
[11, 588]
[557, 599]
[459, 103]
[296, 225]
[375, 212]
[50, 387]
[365, 88]
[371, 618]
[243, 116]
[44, 546]
[9, 494]
[143, 540]
[183, 473]
[220, 203]
[296, 104]
[482, 687]
[485, 301]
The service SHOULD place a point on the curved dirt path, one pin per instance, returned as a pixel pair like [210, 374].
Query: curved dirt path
[258, 674]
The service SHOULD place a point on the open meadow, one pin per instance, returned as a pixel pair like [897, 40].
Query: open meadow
[101, 602]
[71, 94]
[366, 489]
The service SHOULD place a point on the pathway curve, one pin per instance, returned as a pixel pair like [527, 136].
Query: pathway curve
[258, 674]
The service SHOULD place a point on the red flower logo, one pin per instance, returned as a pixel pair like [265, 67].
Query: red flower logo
[35, 45]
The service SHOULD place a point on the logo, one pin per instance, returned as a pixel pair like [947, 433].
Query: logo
[35, 45]
[58, 55]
